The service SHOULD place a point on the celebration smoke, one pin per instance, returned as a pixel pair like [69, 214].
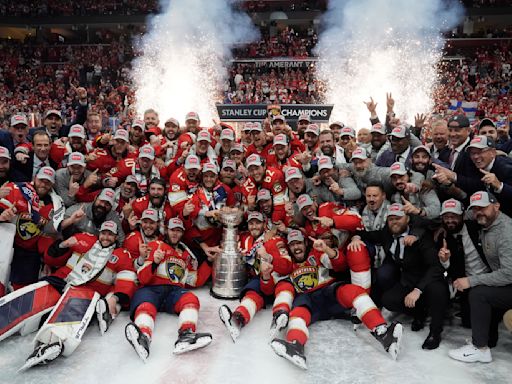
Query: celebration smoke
[370, 47]
[183, 56]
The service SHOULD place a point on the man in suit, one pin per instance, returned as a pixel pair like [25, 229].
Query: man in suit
[421, 286]
[496, 171]
[463, 174]
[28, 162]
[400, 139]
[440, 134]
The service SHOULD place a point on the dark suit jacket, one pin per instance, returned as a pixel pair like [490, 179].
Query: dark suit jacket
[387, 158]
[468, 175]
[23, 172]
[7, 142]
[420, 265]
[457, 266]
[444, 154]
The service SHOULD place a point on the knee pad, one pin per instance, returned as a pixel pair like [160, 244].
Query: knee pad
[188, 299]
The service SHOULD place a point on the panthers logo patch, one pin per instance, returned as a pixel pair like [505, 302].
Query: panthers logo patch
[175, 269]
[27, 229]
[305, 278]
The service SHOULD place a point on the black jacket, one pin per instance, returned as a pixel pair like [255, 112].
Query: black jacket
[420, 265]
[23, 172]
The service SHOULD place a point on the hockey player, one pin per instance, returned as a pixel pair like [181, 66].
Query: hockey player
[143, 169]
[137, 241]
[95, 269]
[265, 253]
[104, 159]
[184, 182]
[319, 297]
[169, 268]
[261, 176]
[283, 157]
[76, 142]
[320, 219]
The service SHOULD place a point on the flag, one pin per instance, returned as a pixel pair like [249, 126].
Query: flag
[469, 107]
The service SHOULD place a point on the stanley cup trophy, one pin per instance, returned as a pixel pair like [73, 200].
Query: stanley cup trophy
[229, 274]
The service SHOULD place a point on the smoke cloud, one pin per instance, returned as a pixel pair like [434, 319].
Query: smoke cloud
[370, 47]
[185, 54]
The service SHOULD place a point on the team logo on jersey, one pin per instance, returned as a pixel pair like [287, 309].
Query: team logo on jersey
[86, 267]
[277, 187]
[175, 269]
[305, 278]
[114, 259]
[26, 228]
[175, 188]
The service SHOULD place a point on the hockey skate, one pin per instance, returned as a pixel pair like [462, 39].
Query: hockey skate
[189, 341]
[390, 337]
[279, 322]
[232, 322]
[43, 354]
[139, 341]
[291, 351]
[103, 315]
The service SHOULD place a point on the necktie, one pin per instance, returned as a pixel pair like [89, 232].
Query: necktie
[452, 158]
[396, 253]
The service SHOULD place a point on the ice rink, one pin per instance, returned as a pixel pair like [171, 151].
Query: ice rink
[335, 354]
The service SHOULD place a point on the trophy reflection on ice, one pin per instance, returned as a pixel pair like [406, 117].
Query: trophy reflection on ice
[229, 273]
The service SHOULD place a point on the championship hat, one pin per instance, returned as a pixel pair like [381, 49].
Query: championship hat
[110, 226]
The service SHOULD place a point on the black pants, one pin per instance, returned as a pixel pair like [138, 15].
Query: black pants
[433, 300]
[483, 301]
[384, 278]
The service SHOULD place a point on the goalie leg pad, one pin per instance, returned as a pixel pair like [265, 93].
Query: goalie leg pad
[21, 310]
[69, 319]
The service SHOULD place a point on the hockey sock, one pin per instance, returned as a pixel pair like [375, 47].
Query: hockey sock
[284, 297]
[144, 318]
[300, 318]
[188, 308]
[354, 296]
[359, 264]
[251, 303]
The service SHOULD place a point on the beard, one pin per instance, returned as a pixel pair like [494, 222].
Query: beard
[99, 213]
[157, 201]
[455, 229]
[327, 150]
[361, 174]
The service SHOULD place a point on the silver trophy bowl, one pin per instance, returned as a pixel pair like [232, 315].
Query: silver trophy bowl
[229, 274]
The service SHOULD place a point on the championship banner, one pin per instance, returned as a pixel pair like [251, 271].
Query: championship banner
[279, 62]
[318, 113]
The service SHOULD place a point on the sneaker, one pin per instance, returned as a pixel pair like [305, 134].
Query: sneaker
[471, 354]
[279, 322]
[390, 337]
[103, 315]
[189, 341]
[232, 321]
[138, 339]
[43, 354]
[291, 351]
[507, 319]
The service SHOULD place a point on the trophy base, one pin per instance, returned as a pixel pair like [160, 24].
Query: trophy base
[224, 296]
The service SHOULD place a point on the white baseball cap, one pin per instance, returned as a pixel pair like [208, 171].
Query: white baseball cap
[347, 131]
[204, 135]
[378, 128]
[147, 151]
[397, 168]
[192, 116]
[108, 195]
[255, 215]
[325, 162]
[295, 235]
[192, 162]
[227, 134]
[396, 209]
[19, 119]
[280, 139]
[254, 159]
[172, 120]
[313, 128]
[210, 167]
[481, 199]
[109, 225]
[122, 134]
[47, 173]
[263, 194]
[229, 164]
[452, 206]
[76, 158]
[4, 152]
[304, 201]
[175, 222]
[150, 214]
[292, 173]
[139, 123]
[77, 130]
[359, 153]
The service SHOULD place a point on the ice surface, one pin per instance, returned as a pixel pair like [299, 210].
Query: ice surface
[335, 354]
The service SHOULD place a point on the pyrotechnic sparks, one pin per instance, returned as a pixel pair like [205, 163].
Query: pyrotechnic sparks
[184, 54]
[370, 47]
